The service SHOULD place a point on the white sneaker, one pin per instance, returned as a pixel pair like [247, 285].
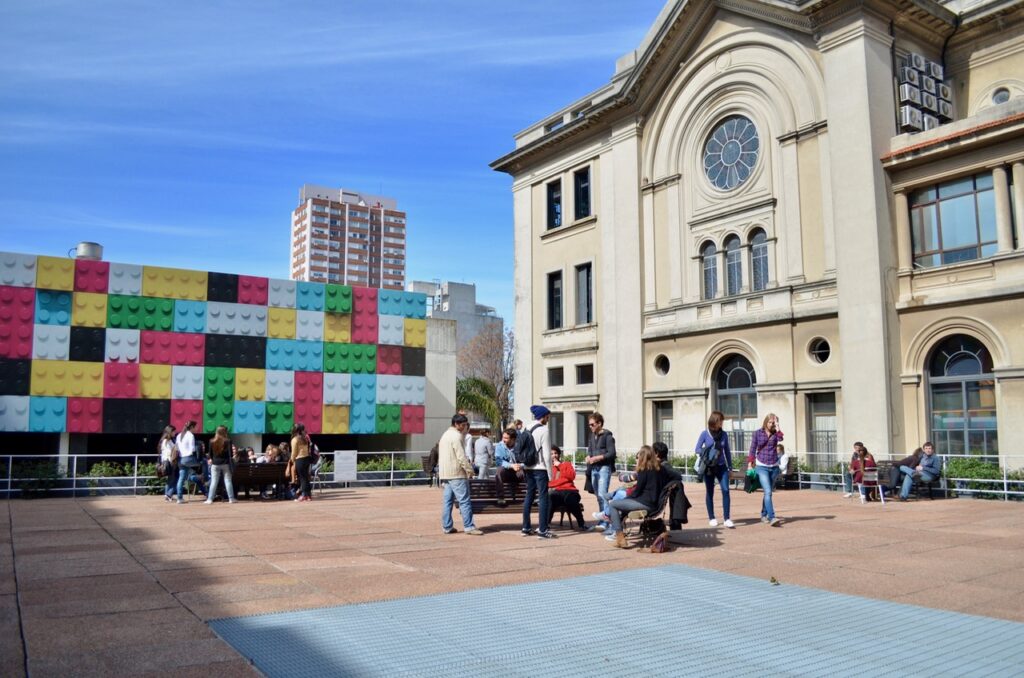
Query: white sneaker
[847, 495]
[207, 502]
[730, 524]
[598, 515]
[863, 499]
[713, 522]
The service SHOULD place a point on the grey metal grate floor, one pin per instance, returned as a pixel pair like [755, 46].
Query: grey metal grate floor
[666, 621]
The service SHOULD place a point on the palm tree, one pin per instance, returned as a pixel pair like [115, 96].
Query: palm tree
[478, 395]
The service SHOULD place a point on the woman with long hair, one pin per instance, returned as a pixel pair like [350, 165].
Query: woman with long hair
[714, 442]
[189, 463]
[169, 457]
[651, 479]
[863, 461]
[301, 459]
[764, 459]
[220, 464]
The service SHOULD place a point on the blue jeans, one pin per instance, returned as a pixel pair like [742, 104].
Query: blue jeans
[456, 489]
[536, 484]
[767, 476]
[847, 481]
[908, 479]
[619, 508]
[187, 472]
[216, 471]
[600, 478]
[721, 474]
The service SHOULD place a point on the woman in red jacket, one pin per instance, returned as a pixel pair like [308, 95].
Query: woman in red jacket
[864, 461]
[562, 490]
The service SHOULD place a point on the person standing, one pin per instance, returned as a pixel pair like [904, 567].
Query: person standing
[538, 475]
[928, 470]
[220, 464]
[714, 443]
[764, 459]
[301, 460]
[483, 453]
[169, 458]
[454, 472]
[507, 471]
[600, 464]
[188, 462]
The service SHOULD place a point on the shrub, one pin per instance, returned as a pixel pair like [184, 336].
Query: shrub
[383, 463]
[36, 477]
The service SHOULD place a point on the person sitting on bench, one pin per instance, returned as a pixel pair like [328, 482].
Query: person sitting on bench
[927, 471]
[562, 489]
[896, 474]
[507, 471]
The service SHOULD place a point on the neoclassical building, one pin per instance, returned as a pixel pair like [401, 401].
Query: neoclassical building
[812, 208]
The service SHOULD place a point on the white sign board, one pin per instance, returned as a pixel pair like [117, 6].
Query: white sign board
[344, 466]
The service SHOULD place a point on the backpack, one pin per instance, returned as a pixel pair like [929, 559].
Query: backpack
[525, 450]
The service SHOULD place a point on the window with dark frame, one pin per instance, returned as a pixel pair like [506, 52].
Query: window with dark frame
[555, 300]
[585, 374]
[709, 264]
[953, 221]
[733, 266]
[759, 261]
[555, 204]
[584, 295]
[556, 376]
[581, 192]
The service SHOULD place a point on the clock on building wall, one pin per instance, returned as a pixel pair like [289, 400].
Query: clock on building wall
[730, 153]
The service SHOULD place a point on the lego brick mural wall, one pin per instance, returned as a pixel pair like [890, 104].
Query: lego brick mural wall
[99, 347]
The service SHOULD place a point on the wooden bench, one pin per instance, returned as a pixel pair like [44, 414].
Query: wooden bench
[483, 494]
[430, 470]
[884, 468]
[254, 476]
[789, 479]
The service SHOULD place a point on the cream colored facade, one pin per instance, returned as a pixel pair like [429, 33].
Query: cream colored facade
[829, 204]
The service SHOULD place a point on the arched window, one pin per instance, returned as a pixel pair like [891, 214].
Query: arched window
[759, 261]
[962, 398]
[709, 263]
[737, 400]
[733, 266]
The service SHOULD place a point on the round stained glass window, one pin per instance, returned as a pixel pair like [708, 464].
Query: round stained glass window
[731, 152]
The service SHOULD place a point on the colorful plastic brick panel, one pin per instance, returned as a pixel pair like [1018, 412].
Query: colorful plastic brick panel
[48, 415]
[17, 313]
[280, 386]
[51, 342]
[15, 377]
[155, 381]
[389, 302]
[389, 389]
[309, 395]
[337, 389]
[92, 276]
[338, 298]
[250, 384]
[281, 323]
[222, 287]
[53, 307]
[219, 398]
[250, 417]
[125, 279]
[389, 359]
[151, 415]
[173, 348]
[337, 328]
[364, 328]
[414, 361]
[121, 415]
[140, 313]
[364, 301]
[252, 290]
[89, 309]
[121, 380]
[187, 382]
[224, 351]
[413, 419]
[309, 296]
[391, 330]
[309, 325]
[218, 414]
[335, 419]
[364, 389]
[350, 358]
[67, 378]
[414, 390]
[173, 283]
[236, 319]
[281, 294]
[295, 355]
[53, 273]
[389, 418]
[415, 333]
[185, 410]
[362, 418]
[414, 305]
[85, 415]
[88, 344]
[123, 346]
[189, 316]
[14, 413]
[280, 417]
[17, 270]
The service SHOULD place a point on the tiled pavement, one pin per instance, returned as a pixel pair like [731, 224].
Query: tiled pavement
[125, 586]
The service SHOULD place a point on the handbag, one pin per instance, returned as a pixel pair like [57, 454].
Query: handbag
[751, 481]
[660, 544]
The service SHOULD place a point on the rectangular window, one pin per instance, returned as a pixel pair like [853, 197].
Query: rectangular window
[663, 422]
[585, 374]
[555, 204]
[953, 221]
[584, 295]
[556, 427]
[554, 300]
[581, 192]
[821, 435]
[582, 429]
[556, 376]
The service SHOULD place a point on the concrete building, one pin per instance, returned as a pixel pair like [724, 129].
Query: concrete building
[349, 238]
[457, 301]
[746, 218]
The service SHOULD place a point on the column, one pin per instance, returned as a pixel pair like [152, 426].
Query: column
[746, 284]
[650, 282]
[1004, 228]
[904, 244]
[528, 361]
[1018, 201]
[788, 223]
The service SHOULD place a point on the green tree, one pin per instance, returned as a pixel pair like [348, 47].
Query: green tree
[474, 394]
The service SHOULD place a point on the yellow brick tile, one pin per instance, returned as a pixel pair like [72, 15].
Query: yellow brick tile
[89, 310]
[415, 333]
[338, 327]
[173, 283]
[335, 419]
[67, 378]
[155, 381]
[281, 323]
[250, 384]
[54, 273]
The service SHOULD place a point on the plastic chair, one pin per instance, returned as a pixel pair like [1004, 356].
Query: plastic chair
[869, 482]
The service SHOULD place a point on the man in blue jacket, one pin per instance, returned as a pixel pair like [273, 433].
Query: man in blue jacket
[928, 470]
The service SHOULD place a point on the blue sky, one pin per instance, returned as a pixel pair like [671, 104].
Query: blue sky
[179, 133]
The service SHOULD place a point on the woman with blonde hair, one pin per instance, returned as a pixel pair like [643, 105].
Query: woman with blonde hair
[220, 464]
[651, 479]
[763, 458]
[301, 460]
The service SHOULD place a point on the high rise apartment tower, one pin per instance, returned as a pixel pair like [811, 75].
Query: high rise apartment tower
[346, 237]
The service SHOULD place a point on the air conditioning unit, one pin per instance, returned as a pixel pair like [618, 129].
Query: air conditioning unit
[910, 95]
[910, 119]
[928, 84]
[944, 91]
[929, 102]
[945, 110]
[909, 75]
[929, 121]
[935, 70]
[917, 61]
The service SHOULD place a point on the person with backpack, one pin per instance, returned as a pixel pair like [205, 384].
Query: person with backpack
[533, 454]
[189, 463]
[600, 464]
[713, 446]
[221, 450]
[169, 461]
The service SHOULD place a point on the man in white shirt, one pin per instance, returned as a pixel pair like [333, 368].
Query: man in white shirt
[538, 474]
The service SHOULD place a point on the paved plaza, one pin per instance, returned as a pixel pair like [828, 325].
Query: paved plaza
[119, 586]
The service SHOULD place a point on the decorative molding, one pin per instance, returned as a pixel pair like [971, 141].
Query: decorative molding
[580, 226]
[764, 203]
[677, 393]
[661, 183]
